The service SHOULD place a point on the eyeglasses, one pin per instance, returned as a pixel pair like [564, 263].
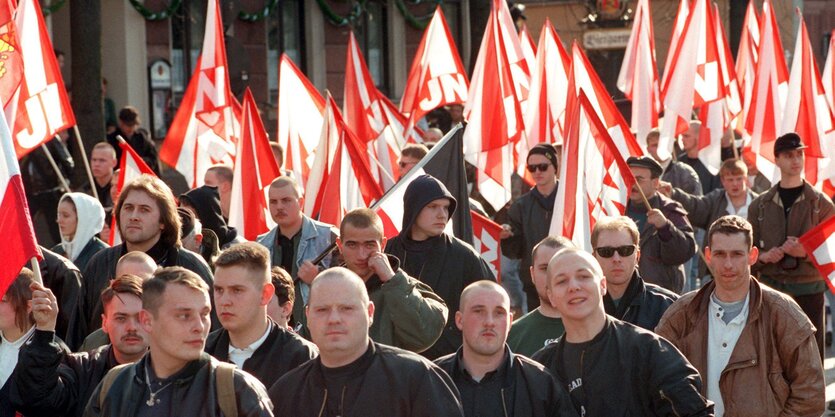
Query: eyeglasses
[534, 167]
[406, 164]
[609, 251]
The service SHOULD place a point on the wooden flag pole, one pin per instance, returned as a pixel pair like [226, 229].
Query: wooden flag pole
[643, 197]
[61, 178]
[36, 269]
[86, 161]
[733, 142]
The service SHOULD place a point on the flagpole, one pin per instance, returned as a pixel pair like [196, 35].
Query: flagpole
[643, 197]
[382, 168]
[86, 161]
[36, 269]
[55, 167]
[733, 142]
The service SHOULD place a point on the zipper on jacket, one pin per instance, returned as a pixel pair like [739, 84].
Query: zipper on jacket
[672, 405]
[324, 402]
[342, 402]
[504, 405]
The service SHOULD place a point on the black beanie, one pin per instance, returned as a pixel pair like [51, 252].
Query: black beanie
[547, 150]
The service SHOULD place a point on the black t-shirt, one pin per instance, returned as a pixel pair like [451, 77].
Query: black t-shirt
[342, 383]
[788, 196]
[573, 365]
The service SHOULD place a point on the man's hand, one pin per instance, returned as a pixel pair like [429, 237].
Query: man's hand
[656, 218]
[307, 272]
[380, 265]
[772, 255]
[793, 247]
[44, 307]
[665, 188]
[506, 232]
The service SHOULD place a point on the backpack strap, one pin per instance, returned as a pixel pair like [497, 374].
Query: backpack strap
[225, 384]
[108, 379]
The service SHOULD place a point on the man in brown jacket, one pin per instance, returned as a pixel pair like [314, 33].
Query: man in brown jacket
[779, 217]
[753, 346]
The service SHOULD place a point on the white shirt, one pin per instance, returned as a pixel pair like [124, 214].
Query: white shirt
[721, 340]
[239, 356]
[743, 211]
[9, 353]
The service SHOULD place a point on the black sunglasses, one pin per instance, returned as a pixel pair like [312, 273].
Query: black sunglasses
[542, 167]
[609, 251]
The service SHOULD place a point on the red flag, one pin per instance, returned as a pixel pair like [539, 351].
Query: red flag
[828, 75]
[549, 88]
[638, 78]
[19, 244]
[131, 167]
[528, 47]
[768, 97]
[40, 107]
[678, 28]
[807, 112]
[11, 58]
[819, 243]
[255, 168]
[746, 56]
[595, 182]
[204, 130]
[437, 76]
[487, 242]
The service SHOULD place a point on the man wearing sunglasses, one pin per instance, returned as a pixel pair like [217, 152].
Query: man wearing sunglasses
[628, 297]
[666, 238]
[529, 215]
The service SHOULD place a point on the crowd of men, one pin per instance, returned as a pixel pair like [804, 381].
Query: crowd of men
[185, 317]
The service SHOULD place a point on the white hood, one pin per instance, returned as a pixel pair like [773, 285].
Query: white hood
[90, 222]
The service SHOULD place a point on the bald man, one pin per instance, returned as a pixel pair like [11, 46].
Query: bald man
[483, 367]
[363, 377]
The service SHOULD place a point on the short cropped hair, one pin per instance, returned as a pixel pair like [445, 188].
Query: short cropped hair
[250, 255]
[224, 172]
[731, 225]
[125, 284]
[615, 224]
[342, 274]
[285, 181]
[154, 288]
[283, 283]
[106, 147]
[415, 150]
[362, 218]
[482, 284]
[553, 242]
[733, 167]
[277, 148]
[167, 205]
[595, 266]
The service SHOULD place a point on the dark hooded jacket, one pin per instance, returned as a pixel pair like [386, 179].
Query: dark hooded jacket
[64, 279]
[206, 202]
[642, 304]
[444, 262]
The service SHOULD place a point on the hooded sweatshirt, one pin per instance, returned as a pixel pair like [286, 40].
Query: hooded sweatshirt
[206, 202]
[90, 215]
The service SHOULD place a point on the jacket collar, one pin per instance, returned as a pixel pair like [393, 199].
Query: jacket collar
[773, 194]
[698, 308]
[505, 370]
[222, 346]
[182, 376]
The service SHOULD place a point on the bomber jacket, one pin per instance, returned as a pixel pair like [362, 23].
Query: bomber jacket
[642, 304]
[771, 227]
[194, 392]
[774, 368]
[50, 381]
[629, 371]
[533, 391]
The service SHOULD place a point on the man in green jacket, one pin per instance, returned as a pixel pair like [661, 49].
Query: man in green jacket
[408, 314]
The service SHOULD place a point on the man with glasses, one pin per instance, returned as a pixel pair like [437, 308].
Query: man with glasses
[628, 297]
[529, 216]
[410, 155]
[666, 237]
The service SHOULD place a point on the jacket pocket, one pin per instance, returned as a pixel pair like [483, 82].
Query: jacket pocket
[779, 388]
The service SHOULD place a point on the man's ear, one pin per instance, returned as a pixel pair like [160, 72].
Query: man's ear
[459, 320]
[146, 320]
[267, 293]
[753, 255]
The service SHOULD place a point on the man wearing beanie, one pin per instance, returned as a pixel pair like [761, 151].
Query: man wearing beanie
[530, 215]
[438, 259]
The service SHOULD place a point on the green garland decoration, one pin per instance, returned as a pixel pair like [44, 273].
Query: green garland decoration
[53, 7]
[417, 22]
[335, 19]
[269, 5]
[154, 16]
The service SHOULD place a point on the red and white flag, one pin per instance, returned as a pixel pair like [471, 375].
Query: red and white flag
[807, 113]
[638, 78]
[255, 169]
[487, 243]
[341, 179]
[695, 76]
[746, 61]
[131, 167]
[19, 243]
[549, 90]
[204, 131]
[40, 107]
[768, 97]
[596, 181]
[819, 243]
[437, 76]
[529, 49]
[678, 28]
[11, 57]
[300, 117]
[828, 75]
[584, 78]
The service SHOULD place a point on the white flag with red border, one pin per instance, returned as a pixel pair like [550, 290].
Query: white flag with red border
[638, 78]
[549, 90]
[819, 243]
[487, 242]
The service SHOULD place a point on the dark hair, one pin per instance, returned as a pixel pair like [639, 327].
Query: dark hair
[731, 225]
[18, 295]
[250, 255]
[125, 284]
[129, 115]
[283, 283]
[553, 242]
[415, 150]
[159, 192]
[362, 218]
[154, 288]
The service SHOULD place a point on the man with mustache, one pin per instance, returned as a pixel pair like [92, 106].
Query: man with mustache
[51, 381]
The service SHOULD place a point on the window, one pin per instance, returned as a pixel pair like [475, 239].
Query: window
[285, 34]
[187, 28]
[371, 31]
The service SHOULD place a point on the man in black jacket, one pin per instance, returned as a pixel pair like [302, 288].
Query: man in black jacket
[491, 379]
[249, 339]
[64, 279]
[50, 381]
[176, 377]
[437, 259]
[136, 137]
[146, 214]
[611, 367]
[628, 297]
[354, 376]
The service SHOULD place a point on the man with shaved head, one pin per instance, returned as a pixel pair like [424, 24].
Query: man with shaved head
[484, 366]
[221, 176]
[599, 357]
[354, 376]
